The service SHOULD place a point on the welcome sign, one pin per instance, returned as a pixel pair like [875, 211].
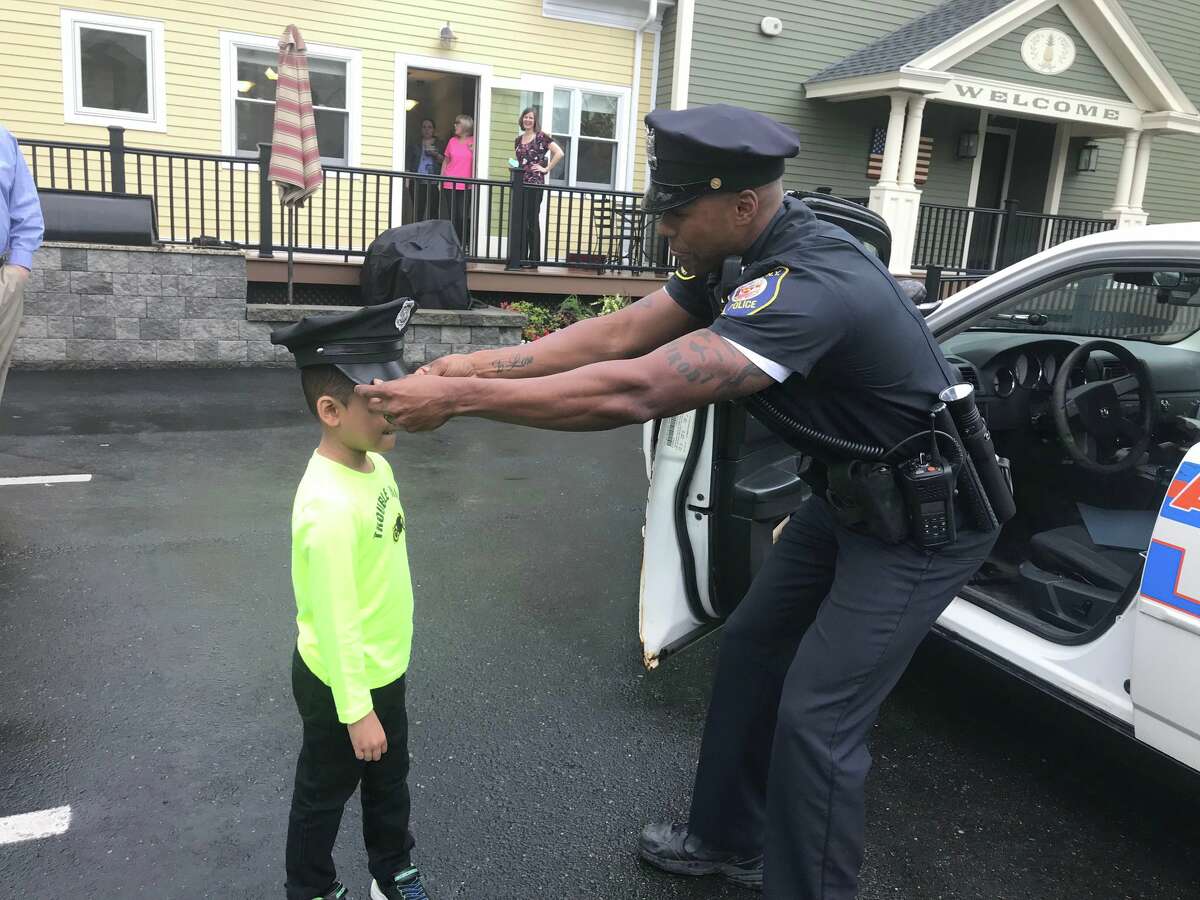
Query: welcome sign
[1013, 98]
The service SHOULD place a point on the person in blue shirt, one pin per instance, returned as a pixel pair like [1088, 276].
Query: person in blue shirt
[20, 236]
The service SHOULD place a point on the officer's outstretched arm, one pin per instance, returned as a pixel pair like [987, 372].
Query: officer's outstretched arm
[697, 369]
[633, 331]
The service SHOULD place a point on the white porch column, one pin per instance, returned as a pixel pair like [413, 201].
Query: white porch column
[899, 204]
[1137, 194]
[912, 142]
[1125, 176]
[890, 171]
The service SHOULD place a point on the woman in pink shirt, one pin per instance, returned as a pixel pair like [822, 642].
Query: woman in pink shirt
[458, 196]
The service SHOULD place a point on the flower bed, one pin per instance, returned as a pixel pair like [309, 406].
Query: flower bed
[546, 318]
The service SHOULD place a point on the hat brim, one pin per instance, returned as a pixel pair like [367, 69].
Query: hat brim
[367, 372]
[659, 198]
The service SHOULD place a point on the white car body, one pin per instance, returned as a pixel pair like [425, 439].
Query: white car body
[1140, 673]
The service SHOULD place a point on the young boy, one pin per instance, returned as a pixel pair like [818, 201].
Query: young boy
[354, 611]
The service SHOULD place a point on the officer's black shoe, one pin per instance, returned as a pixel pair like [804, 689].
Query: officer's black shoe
[405, 885]
[336, 892]
[672, 849]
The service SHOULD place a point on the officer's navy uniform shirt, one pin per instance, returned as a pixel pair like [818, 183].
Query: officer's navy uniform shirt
[817, 303]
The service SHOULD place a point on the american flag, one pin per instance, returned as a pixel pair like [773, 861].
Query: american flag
[875, 158]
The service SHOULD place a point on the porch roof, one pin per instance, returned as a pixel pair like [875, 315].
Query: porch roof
[896, 50]
[922, 56]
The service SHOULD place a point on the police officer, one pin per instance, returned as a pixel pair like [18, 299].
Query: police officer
[766, 298]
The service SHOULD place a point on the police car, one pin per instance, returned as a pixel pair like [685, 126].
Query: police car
[1086, 364]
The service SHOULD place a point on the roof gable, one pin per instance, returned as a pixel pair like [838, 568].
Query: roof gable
[897, 49]
[928, 47]
[1001, 59]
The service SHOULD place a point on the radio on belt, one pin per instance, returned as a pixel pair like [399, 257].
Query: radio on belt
[927, 484]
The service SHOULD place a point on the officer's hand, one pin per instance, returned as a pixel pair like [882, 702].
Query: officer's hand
[370, 743]
[414, 404]
[457, 365]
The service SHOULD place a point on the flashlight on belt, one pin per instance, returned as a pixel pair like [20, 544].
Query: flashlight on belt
[977, 440]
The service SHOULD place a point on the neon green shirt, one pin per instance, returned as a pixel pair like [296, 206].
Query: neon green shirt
[354, 602]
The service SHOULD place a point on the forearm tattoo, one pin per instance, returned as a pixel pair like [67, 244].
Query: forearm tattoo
[516, 361]
[703, 357]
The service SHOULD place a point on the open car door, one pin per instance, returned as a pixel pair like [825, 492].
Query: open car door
[720, 483]
[1166, 637]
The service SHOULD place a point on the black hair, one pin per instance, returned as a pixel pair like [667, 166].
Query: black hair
[537, 120]
[325, 381]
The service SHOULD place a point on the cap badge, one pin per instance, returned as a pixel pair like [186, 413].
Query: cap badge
[405, 314]
[651, 157]
[715, 184]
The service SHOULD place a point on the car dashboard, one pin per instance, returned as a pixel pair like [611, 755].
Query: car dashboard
[1014, 374]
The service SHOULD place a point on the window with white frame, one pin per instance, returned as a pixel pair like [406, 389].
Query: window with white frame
[587, 125]
[249, 66]
[113, 72]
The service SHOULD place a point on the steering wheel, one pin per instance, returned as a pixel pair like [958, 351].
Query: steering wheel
[1097, 408]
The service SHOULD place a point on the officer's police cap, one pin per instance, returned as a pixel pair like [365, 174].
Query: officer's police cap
[365, 343]
[711, 149]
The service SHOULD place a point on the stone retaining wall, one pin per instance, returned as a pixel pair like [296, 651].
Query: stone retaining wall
[94, 306]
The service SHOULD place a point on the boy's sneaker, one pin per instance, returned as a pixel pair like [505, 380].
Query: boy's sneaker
[337, 892]
[672, 849]
[404, 885]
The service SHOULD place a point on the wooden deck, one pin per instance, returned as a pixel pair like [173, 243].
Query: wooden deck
[490, 277]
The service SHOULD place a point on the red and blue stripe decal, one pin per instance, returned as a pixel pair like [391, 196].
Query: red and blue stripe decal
[1160, 581]
[1164, 562]
[1182, 503]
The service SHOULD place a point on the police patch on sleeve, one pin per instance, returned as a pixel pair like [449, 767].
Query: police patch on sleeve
[755, 296]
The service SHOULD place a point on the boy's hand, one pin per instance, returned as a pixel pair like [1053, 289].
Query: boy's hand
[370, 743]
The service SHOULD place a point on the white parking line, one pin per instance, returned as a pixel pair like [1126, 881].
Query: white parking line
[44, 479]
[35, 825]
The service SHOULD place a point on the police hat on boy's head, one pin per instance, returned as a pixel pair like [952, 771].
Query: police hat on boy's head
[711, 149]
[365, 343]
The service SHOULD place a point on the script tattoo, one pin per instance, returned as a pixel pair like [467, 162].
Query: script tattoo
[704, 357]
[516, 362]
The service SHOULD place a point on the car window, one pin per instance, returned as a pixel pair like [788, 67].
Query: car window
[1158, 306]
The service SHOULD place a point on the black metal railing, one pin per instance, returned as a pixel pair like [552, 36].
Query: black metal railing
[980, 239]
[941, 284]
[227, 200]
[588, 229]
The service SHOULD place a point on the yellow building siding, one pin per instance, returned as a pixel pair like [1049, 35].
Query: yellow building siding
[510, 36]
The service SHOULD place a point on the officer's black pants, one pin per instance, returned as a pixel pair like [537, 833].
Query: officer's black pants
[327, 774]
[823, 635]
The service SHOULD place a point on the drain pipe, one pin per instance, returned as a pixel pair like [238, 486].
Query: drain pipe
[636, 98]
[685, 15]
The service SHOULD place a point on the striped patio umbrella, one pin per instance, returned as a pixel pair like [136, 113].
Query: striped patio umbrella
[295, 158]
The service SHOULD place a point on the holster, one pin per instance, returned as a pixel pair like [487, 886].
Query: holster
[864, 495]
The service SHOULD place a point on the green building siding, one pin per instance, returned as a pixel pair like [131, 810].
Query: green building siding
[733, 62]
[666, 59]
[1002, 60]
[1172, 28]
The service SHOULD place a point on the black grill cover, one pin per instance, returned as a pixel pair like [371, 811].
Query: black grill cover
[423, 261]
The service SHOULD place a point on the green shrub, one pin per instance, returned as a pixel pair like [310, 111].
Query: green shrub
[546, 318]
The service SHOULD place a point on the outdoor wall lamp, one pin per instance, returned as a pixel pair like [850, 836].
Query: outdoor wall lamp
[968, 145]
[1089, 157]
[447, 36]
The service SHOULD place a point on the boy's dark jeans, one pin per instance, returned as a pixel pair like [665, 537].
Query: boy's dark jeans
[327, 774]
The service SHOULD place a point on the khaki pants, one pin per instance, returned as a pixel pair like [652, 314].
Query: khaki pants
[12, 305]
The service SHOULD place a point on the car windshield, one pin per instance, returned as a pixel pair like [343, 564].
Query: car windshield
[1133, 305]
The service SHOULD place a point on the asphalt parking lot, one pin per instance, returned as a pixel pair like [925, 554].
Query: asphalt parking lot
[146, 626]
